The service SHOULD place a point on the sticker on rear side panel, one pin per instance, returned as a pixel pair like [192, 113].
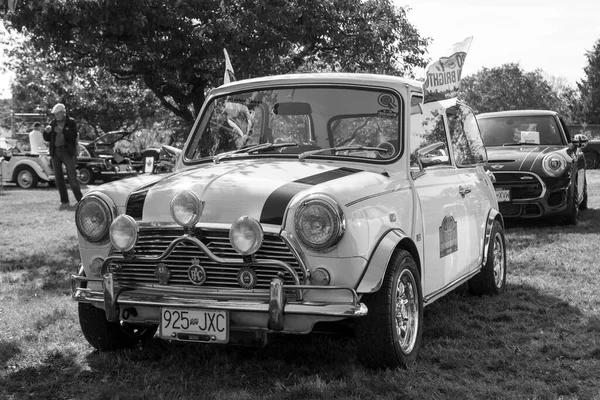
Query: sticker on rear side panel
[448, 236]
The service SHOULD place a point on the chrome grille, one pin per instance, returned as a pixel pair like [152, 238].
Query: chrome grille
[153, 242]
[522, 185]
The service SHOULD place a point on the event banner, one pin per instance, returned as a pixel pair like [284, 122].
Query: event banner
[442, 79]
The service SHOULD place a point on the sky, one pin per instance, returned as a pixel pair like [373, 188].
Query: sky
[552, 35]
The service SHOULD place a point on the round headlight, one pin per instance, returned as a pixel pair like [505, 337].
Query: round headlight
[186, 208]
[93, 218]
[554, 164]
[319, 223]
[123, 233]
[246, 235]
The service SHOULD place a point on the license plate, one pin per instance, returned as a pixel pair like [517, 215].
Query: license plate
[503, 195]
[194, 325]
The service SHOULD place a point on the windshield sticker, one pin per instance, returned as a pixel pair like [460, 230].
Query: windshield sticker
[388, 114]
[448, 236]
[387, 100]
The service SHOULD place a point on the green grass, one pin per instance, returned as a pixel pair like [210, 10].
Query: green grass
[539, 340]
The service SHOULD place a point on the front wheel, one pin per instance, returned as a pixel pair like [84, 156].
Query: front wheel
[390, 335]
[591, 160]
[572, 217]
[85, 176]
[26, 177]
[105, 335]
[491, 280]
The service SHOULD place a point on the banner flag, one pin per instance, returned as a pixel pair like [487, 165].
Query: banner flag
[229, 76]
[442, 79]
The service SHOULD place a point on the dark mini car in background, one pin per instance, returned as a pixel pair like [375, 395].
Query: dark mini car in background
[97, 159]
[539, 168]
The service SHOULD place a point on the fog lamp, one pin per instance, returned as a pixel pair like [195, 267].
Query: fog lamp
[186, 208]
[95, 266]
[246, 235]
[320, 277]
[123, 233]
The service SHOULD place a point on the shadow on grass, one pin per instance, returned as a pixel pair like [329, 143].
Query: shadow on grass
[587, 223]
[521, 333]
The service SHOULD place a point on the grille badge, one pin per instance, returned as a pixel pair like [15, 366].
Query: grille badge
[196, 273]
[247, 278]
[163, 274]
[497, 166]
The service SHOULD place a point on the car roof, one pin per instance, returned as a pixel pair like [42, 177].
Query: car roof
[325, 78]
[516, 113]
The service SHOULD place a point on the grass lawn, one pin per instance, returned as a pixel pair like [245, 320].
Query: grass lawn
[539, 340]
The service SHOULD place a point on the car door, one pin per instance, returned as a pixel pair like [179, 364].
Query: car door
[437, 185]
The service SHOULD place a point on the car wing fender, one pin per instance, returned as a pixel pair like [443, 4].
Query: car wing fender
[377, 265]
[35, 165]
[493, 215]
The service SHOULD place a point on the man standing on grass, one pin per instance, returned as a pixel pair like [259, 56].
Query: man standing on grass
[62, 135]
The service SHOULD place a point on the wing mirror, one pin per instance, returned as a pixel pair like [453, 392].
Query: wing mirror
[433, 154]
[6, 154]
[580, 141]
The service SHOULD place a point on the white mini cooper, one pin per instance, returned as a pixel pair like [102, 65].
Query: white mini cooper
[298, 201]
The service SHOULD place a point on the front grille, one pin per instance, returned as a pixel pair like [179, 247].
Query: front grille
[152, 242]
[522, 185]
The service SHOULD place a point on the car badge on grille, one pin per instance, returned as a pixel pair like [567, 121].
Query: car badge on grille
[246, 277]
[497, 166]
[162, 273]
[196, 273]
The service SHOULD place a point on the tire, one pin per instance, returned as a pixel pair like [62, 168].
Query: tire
[25, 177]
[572, 217]
[591, 160]
[584, 202]
[390, 335]
[106, 335]
[85, 176]
[491, 280]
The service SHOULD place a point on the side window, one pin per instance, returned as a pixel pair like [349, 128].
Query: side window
[428, 140]
[466, 139]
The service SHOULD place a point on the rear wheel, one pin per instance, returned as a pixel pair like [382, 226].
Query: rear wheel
[105, 335]
[491, 280]
[85, 176]
[591, 160]
[390, 334]
[26, 177]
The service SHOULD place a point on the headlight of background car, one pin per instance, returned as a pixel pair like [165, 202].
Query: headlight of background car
[93, 217]
[319, 223]
[554, 164]
[186, 208]
[123, 233]
[246, 235]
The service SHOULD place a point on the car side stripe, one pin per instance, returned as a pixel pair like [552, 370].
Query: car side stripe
[277, 202]
[135, 202]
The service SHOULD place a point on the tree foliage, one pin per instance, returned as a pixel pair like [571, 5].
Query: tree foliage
[176, 46]
[508, 87]
[590, 88]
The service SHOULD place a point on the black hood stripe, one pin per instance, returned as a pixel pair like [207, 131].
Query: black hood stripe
[277, 202]
[135, 202]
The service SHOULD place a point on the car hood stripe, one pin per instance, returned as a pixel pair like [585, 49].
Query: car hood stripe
[277, 202]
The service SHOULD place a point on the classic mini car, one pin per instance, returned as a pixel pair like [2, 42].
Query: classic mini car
[298, 202]
[98, 161]
[538, 167]
[25, 168]
[591, 152]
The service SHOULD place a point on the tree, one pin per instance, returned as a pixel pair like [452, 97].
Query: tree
[508, 87]
[590, 88]
[176, 46]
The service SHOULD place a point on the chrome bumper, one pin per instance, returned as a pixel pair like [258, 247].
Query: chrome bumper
[112, 297]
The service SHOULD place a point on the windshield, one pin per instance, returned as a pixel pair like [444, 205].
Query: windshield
[508, 131]
[298, 120]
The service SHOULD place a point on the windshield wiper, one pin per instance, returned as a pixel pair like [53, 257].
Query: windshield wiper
[519, 144]
[302, 156]
[258, 148]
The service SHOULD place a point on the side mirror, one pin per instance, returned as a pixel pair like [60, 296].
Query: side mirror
[433, 154]
[580, 141]
[6, 154]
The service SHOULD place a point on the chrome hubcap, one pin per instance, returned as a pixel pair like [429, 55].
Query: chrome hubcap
[498, 259]
[25, 178]
[407, 311]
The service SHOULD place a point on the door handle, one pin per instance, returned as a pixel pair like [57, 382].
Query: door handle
[464, 190]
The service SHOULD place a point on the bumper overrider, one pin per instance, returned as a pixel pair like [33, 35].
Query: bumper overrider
[281, 299]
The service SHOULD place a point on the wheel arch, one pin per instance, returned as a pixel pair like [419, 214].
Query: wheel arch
[493, 215]
[31, 164]
[379, 261]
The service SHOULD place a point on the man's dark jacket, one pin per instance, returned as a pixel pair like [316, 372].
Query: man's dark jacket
[69, 134]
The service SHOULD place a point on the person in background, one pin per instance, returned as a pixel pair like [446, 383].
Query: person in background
[36, 140]
[62, 136]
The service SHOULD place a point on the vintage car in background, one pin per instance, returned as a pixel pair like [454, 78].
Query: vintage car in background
[298, 202]
[157, 160]
[539, 168]
[24, 167]
[97, 160]
[591, 152]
